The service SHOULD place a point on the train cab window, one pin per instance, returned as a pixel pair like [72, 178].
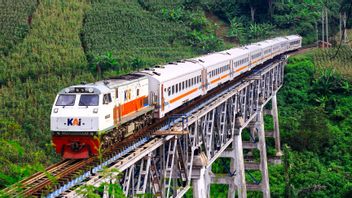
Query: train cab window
[107, 98]
[89, 100]
[66, 100]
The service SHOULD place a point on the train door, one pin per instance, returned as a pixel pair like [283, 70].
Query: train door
[107, 110]
[117, 107]
[231, 69]
[204, 80]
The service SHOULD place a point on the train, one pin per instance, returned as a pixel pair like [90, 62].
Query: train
[87, 118]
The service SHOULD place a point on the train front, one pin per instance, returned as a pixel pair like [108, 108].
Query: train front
[74, 122]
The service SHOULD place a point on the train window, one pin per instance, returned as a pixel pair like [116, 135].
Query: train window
[138, 91]
[173, 89]
[89, 100]
[107, 98]
[169, 91]
[183, 85]
[179, 86]
[117, 93]
[65, 100]
[126, 95]
[176, 88]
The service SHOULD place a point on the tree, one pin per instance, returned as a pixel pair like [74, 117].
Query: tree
[105, 62]
[253, 6]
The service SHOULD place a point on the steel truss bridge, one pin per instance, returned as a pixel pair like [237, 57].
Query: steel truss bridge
[179, 156]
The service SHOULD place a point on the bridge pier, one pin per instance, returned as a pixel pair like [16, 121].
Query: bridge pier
[201, 185]
[276, 126]
[263, 157]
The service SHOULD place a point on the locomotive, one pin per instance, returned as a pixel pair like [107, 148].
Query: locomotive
[86, 118]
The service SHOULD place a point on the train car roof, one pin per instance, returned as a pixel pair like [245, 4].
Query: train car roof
[236, 52]
[252, 47]
[213, 59]
[103, 86]
[281, 39]
[264, 44]
[173, 70]
[293, 37]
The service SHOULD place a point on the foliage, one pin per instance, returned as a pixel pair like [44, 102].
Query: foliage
[134, 36]
[15, 21]
[335, 60]
[113, 189]
[205, 42]
[49, 58]
[315, 121]
[237, 30]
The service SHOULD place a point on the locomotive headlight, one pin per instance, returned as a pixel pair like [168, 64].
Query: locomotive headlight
[90, 90]
[56, 110]
[95, 110]
[67, 90]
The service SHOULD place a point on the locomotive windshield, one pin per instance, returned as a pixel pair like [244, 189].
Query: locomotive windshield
[65, 100]
[89, 100]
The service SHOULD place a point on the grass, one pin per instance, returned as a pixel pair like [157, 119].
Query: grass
[129, 31]
[15, 20]
[338, 60]
[49, 58]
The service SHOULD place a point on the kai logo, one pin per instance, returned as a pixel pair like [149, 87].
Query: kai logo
[73, 121]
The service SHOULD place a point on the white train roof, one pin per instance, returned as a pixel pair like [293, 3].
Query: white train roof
[264, 44]
[293, 37]
[253, 47]
[213, 59]
[104, 86]
[236, 52]
[173, 70]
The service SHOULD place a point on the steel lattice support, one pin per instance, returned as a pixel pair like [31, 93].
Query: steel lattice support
[167, 166]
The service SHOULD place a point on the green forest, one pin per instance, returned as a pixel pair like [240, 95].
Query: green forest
[46, 45]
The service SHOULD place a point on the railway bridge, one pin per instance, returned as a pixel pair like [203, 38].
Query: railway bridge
[180, 155]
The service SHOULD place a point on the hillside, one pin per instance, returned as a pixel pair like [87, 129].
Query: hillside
[49, 58]
[46, 45]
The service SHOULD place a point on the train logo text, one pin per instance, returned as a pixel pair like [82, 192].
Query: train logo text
[73, 121]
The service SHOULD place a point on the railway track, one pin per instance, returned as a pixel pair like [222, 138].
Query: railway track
[56, 175]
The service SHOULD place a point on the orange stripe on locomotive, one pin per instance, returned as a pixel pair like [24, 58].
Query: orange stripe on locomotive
[130, 107]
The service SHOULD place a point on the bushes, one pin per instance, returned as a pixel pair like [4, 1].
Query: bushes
[15, 21]
[132, 32]
[49, 58]
[205, 42]
[315, 121]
